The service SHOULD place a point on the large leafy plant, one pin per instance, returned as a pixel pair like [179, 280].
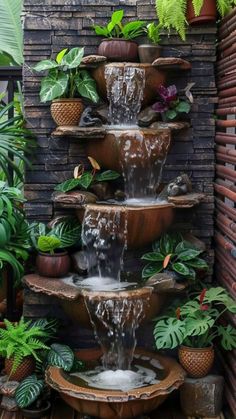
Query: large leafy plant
[169, 105]
[173, 253]
[11, 32]
[87, 178]
[116, 29]
[197, 323]
[65, 79]
[172, 13]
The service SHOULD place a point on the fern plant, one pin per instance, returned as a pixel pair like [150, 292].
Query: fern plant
[198, 322]
[172, 13]
[21, 340]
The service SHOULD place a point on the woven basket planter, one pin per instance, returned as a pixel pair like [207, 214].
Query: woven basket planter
[67, 111]
[25, 369]
[196, 361]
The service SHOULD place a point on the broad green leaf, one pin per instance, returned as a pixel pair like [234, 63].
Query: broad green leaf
[107, 175]
[48, 244]
[169, 333]
[60, 55]
[166, 244]
[68, 185]
[86, 180]
[153, 257]
[53, 86]
[73, 58]
[180, 268]
[86, 86]
[133, 30]
[197, 263]
[171, 115]
[199, 326]
[189, 254]
[228, 337]
[117, 17]
[100, 31]
[184, 245]
[61, 356]
[191, 308]
[45, 65]
[28, 391]
[217, 295]
[152, 269]
[11, 32]
[183, 107]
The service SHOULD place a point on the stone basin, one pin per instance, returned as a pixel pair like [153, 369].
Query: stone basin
[114, 404]
[136, 227]
[126, 147]
[154, 78]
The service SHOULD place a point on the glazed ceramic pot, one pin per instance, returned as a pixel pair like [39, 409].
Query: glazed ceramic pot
[149, 53]
[37, 413]
[208, 12]
[196, 361]
[67, 111]
[118, 50]
[25, 369]
[53, 266]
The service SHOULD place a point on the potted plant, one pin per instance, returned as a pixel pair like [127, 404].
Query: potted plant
[169, 106]
[174, 254]
[151, 51]
[193, 328]
[20, 344]
[174, 14]
[65, 85]
[119, 44]
[32, 395]
[53, 261]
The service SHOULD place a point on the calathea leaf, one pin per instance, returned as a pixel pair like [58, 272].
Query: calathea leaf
[68, 185]
[53, 86]
[28, 391]
[189, 254]
[153, 257]
[73, 58]
[197, 263]
[48, 244]
[86, 180]
[152, 269]
[228, 337]
[184, 245]
[169, 333]
[107, 175]
[166, 244]
[86, 86]
[61, 356]
[181, 269]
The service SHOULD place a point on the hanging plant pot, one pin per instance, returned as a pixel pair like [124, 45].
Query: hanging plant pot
[148, 53]
[67, 111]
[116, 49]
[53, 266]
[25, 369]
[208, 12]
[196, 361]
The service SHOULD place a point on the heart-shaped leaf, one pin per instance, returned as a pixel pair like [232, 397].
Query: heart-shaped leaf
[73, 58]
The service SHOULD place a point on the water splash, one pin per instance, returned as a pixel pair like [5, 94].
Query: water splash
[125, 87]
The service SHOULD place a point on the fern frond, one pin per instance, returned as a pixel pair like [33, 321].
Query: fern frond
[197, 6]
[224, 6]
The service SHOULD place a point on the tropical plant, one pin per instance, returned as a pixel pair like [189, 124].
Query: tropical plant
[15, 142]
[173, 253]
[115, 28]
[65, 79]
[11, 32]
[172, 13]
[169, 105]
[85, 179]
[198, 322]
[30, 389]
[64, 234]
[153, 32]
[20, 340]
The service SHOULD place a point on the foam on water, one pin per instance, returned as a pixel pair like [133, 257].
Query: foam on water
[96, 283]
[123, 380]
[142, 202]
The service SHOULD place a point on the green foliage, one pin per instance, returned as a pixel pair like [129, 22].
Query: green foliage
[11, 32]
[48, 244]
[153, 32]
[115, 28]
[28, 391]
[61, 356]
[20, 340]
[198, 322]
[172, 253]
[65, 78]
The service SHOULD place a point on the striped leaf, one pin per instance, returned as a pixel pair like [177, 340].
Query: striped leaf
[28, 391]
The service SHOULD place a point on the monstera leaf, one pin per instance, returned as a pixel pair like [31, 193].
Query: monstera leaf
[199, 326]
[28, 391]
[228, 337]
[61, 356]
[219, 295]
[169, 333]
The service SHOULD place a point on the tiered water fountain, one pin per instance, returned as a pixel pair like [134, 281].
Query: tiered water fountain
[120, 382]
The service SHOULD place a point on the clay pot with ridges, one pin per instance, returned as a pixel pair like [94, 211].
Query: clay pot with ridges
[25, 369]
[208, 12]
[118, 49]
[67, 111]
[53, 266]
[196, 361]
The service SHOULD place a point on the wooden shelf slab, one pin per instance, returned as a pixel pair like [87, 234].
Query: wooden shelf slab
[187, 201]
[81, 133]
[171, 63]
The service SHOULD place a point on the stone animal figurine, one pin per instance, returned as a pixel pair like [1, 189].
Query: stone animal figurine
[180, 186]
[90, 118]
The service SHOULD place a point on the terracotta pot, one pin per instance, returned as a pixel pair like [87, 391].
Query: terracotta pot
[26, 368]
[53, 266]
[208, 12]
[196, 361]
[119, 50]
[149, 53]
[67, 111]
[115, 404]
[37, 413]
[154, 78]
